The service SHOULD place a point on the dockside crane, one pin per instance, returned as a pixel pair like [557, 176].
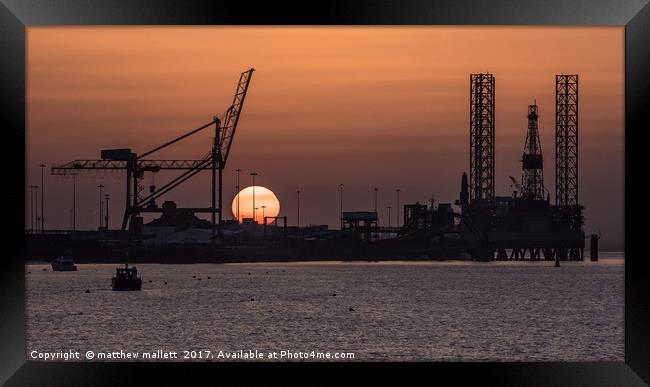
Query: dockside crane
[136, 165]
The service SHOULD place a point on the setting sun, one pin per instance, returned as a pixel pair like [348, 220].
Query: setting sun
[266, 203]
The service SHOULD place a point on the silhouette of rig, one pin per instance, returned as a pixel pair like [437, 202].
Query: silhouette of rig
[524, 225]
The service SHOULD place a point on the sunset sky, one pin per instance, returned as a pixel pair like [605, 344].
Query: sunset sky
[367, 107]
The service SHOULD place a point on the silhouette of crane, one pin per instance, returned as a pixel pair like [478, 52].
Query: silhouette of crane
[136, 165]
[514, 183]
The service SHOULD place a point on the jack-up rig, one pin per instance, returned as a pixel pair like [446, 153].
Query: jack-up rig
[525, 223]
[135, 166]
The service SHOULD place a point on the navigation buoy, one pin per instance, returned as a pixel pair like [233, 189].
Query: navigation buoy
[351, 309]
[87, 291]
[252, 299]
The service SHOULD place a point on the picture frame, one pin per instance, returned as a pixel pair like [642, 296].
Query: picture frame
[17, 15]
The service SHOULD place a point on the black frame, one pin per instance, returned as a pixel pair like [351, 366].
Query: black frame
[15, 15]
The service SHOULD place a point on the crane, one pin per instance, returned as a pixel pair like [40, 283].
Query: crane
[136, 165]
[518, 187]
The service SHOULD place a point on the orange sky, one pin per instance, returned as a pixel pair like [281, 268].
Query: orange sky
[362, 106]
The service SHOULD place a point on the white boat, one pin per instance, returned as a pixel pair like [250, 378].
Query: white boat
[63, 264]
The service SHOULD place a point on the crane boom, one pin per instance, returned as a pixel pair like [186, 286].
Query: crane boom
[144, 165]
[227, 131]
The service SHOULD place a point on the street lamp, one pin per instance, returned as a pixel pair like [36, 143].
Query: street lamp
[341, 217]
[106, 215]
[264, 214]
[74, 201]
[238, 171]
[101, 215]
[376, 189]
[42, 199]
[389, 216]
[31, 205]
[397, 209]
[36, 218]
[298, 217]
[253, 174]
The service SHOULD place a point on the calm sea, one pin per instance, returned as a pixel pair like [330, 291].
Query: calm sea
[403, 311]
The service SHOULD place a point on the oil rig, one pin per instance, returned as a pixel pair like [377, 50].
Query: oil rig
[525, 225]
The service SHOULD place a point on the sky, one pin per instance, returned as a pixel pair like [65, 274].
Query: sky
[366, 107]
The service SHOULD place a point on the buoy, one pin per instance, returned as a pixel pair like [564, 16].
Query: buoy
[249, 273]
[150, 281]
[209, 278]
[351, 309]
[45, 269]
[333, 294]
[87, 291]
[252, 299]
[81, 312]
[165, 282]
[193, 276]
[199, 279]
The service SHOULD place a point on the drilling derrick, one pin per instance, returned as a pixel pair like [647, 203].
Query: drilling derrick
[566, 140]
[532, 179]
[481, 137]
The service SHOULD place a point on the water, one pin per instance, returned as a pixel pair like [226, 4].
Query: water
[402, 311]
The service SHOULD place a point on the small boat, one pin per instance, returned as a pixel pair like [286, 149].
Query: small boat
[63, 264]
[126, 278]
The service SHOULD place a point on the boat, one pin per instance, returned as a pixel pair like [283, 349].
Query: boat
[63, 264]
[126, 278]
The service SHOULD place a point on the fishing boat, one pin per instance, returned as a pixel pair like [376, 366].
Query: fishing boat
[63, 264]
[126, 278]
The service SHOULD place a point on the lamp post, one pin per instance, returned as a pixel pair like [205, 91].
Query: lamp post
[31, 207]
[264, 214]
[341, 212]
[42, 199]
[74, 201]
[238, 171]
[298, 216]
[388, 216]
[101, 215]
[36, 218]
[106, 215]
[397, 209]
[376, 190]
[253, 174]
